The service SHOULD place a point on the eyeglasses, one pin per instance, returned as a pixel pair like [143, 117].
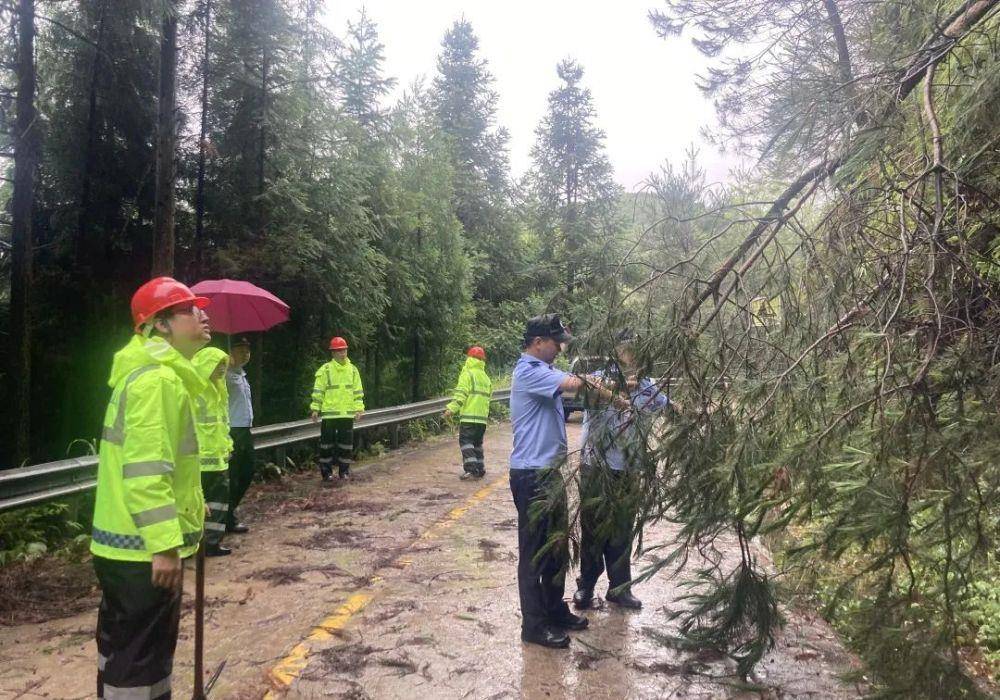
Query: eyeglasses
[186, 310]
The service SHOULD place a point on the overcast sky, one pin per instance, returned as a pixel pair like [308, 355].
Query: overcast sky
[643, 86]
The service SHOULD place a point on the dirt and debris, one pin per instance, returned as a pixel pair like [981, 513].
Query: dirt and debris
[284, 575]
[46, 588]
[329, 537]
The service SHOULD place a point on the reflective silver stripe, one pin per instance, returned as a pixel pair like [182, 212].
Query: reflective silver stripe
[215, 527]
[208, 420]
[208, 461]
[142, 692]
[102, 662]
[115, 433]
[189, 441]
[345, 460]
[214, 505]
[466, 446]
[134, 469]
[325, 445]
[345, 447]
[154, 515]
[479, 393]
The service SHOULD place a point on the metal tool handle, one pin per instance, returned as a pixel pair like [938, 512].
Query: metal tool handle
[198, 692]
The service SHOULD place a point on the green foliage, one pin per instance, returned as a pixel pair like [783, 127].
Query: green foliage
[367, 217]
[32, 532]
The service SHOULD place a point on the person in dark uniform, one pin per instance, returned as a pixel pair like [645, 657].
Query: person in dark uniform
[539, 450]
[241, 461]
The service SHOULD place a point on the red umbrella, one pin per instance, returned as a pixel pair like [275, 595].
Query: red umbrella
[241, 307]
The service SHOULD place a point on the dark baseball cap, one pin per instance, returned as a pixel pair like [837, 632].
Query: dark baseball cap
[240, 341]
[546, 326]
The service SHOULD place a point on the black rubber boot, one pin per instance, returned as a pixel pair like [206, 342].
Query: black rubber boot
[546, 637]
[584, 596]
[625, 600]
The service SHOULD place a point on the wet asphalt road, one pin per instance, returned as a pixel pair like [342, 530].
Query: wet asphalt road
[402, 584]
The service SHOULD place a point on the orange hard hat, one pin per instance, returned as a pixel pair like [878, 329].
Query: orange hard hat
[477, 352]
[159, 294]
[338, 343]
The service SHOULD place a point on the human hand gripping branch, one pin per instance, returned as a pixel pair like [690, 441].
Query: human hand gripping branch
[590, 385]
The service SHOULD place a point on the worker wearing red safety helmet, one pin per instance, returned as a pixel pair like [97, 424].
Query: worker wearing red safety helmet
[149, 510]
[470, 402]
[338, 398]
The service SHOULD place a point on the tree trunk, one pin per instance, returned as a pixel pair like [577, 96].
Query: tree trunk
[25, 163]
[166, 139]
[417, 367]
[86, 253]
[262, 145]
[199, 215]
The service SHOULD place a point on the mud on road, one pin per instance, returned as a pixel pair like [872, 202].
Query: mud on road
[401, 583]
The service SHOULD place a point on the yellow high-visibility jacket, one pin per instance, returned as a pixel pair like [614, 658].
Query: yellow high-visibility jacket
[338, 392]
[471, 398]
[212, 412]
[149, 495]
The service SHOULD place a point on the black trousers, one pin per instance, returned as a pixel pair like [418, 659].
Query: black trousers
[470, 441]
[215, 486]
[241, 469]
[336, 445]
[541, 578]
[137, 627]
[605, 527]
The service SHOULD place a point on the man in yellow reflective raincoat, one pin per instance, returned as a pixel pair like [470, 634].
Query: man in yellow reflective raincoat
[470, 402]
[149, 511]
[338, 398]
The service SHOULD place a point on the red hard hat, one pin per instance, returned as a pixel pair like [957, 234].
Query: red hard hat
[477, 352]
[338, 343]
[159, 294]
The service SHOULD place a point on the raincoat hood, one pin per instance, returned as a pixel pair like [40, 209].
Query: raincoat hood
[474, 363]
[206, 360]
[142, 352]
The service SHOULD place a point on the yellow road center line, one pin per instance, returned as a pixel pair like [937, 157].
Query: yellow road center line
[291, 667]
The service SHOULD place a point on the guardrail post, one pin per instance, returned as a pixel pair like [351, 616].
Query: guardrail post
[281, 455]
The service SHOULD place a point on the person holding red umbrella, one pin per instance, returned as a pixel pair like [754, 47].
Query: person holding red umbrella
[338, 398]
[240, 307]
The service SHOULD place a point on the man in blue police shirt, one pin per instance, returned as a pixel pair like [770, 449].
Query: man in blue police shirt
[539, 449]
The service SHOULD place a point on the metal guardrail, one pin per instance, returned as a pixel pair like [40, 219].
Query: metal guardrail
[39, 483]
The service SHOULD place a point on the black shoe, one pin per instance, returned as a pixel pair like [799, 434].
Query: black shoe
[625, 600]
[546, 637]
[467, 476]
[345, 474]
[327, 477]
[238, 528]
[569, 621]
[583, 597]
[217, 550]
